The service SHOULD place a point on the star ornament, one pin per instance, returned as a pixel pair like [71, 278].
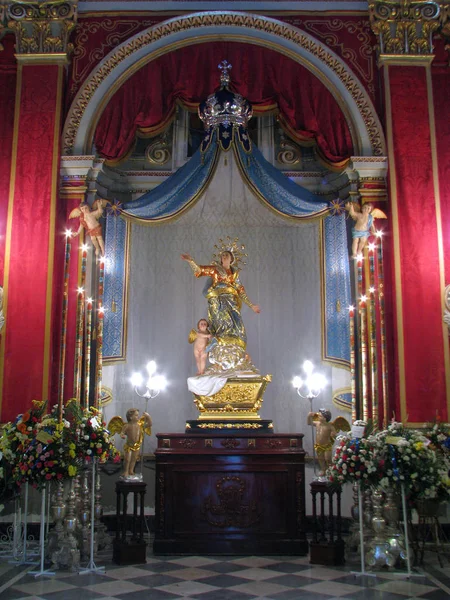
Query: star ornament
[114, 209]
[337, 207]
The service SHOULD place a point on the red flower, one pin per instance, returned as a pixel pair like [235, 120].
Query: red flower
[99, 450]
[94, 436]
[362, 468]
[48, 476]
[344, 457]
[59, 476]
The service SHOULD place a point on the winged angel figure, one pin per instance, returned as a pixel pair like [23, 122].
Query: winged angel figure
[133, 430]
[326, 432]
[364, 224]
[89, 220]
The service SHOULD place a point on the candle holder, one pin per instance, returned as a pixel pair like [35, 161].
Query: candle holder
[154, 385]
[309, 389]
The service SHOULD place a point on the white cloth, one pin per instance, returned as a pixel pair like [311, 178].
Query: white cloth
[206, 385]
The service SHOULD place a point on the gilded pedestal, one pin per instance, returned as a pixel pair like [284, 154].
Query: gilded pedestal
[235, 406]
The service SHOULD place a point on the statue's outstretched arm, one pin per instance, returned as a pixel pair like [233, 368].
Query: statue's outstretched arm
[194, 266]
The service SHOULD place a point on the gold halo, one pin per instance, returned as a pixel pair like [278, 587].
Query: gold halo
[230, 245]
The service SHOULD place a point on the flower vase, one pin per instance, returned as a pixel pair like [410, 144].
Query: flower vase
[68, 555]
[394, 535]
[379, 554]
[103, 539]
[58, 512]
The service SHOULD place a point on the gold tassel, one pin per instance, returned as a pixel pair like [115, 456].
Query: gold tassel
[113, 306]
[225, 162]
[338, 306]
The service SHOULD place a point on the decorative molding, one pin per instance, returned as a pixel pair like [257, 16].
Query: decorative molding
[159, 152]
[138, 49]
[42, 28]
[404, 27]
[290, 153]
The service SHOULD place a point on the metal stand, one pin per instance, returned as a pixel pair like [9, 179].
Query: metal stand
[313, 440]
[24, 560]
[92, 567]
[42, 571]
[361, 539]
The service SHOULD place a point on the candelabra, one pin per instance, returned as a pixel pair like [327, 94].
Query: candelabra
[155, 384]
[309, 388]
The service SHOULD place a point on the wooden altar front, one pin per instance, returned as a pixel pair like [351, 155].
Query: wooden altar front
[235, 493]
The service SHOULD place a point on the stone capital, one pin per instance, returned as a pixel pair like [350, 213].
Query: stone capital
[405, 27]
[368, 178]
[42, 28]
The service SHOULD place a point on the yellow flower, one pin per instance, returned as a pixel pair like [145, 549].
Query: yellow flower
[72, 471]
[72, 453]
[72, 446]
[418, 445]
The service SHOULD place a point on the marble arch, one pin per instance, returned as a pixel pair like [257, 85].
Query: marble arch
[131, 55]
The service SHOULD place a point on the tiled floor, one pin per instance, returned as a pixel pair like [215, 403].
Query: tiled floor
[222, 578]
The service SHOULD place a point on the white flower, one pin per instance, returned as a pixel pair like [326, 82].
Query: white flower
[89, 451]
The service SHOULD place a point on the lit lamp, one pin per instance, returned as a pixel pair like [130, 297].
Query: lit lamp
[309, 388]
[155, 384]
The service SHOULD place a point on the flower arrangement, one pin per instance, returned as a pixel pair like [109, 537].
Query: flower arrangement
[355, 460]
[40, 447]
[17, 435]
[412, 462]
[397, 457]
[93, 439]
[47, 456]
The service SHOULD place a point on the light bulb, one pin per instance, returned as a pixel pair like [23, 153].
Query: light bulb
[136, 379]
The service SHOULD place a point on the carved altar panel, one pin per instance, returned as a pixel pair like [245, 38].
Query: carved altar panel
[237, 494]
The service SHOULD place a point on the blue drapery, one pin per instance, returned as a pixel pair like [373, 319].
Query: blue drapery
[185, 186]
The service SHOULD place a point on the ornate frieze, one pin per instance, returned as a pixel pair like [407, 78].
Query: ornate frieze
[42, 27]
[404, 27]
[227, 19]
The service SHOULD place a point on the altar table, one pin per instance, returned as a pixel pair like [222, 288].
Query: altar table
[230, 493]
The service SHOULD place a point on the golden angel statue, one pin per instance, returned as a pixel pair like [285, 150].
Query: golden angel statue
[326, 432]
[89, 220]
[200, 338]
[364, 224]
[225, 294]
[133, 430]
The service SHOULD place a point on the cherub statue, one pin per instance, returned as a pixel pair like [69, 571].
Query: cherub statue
[326, 431]
[89, 220]
[364, 226]
[133, 430]
[200, 338]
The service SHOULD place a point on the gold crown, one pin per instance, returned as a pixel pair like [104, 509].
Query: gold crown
[233, 246]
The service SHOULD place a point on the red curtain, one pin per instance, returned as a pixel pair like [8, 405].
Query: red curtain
[269, 80]
[8, 73]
